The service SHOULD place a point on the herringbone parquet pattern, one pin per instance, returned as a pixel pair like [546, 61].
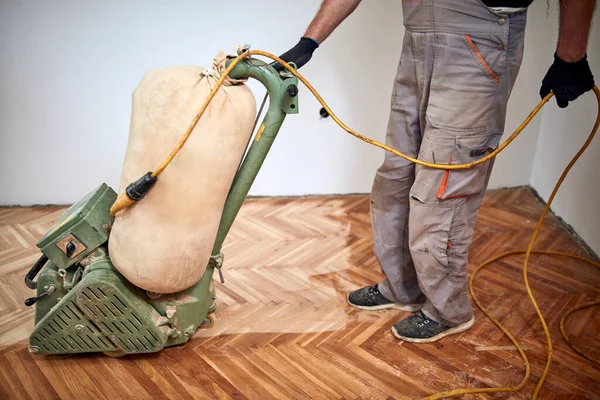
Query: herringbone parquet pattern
[283, 329]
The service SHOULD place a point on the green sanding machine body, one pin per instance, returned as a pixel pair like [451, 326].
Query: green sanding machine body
[93, 308]
[83, 304]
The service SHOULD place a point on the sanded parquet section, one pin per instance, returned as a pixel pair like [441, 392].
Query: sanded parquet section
[284, 331]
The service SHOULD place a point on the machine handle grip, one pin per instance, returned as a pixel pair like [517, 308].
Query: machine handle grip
[48, 290]
[34, 271]
[31, 301]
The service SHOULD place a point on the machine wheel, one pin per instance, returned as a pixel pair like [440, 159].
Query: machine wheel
[208, 322]
[115, 354]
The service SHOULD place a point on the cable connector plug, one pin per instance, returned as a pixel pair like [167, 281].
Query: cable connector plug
[138, 189]
[134, 192]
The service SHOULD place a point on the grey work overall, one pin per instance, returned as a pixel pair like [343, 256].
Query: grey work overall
[458, 65]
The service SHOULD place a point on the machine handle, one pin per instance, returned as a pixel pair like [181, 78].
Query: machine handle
[31, 301]
[47, 292]
[34, 271]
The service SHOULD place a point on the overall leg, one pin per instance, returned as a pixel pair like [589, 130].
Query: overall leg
[474, 71]
[390, 191]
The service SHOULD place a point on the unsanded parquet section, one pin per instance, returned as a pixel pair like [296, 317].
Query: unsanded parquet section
[284, 331]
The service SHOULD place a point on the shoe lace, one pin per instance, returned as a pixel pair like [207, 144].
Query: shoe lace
[373, 290]
[424, 319]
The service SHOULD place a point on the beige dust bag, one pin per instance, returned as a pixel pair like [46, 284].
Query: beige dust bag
[163, 243]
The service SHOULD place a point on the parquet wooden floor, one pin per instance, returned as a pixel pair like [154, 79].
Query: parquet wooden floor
[283, 329]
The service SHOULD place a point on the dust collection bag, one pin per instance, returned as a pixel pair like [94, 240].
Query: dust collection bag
[163, 242]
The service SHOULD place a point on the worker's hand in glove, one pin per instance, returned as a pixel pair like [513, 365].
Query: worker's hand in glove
[300, 54]
[568, 80]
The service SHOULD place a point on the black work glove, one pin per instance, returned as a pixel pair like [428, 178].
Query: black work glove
[567, 80]
[300, 54]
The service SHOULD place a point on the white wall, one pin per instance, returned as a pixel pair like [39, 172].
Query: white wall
[562, 132]
[68, 69]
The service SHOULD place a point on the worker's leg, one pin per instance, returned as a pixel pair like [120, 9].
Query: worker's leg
[390, 191]
[474, 71]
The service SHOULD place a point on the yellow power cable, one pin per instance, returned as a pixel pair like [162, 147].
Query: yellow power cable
[566, 336]
[528, 253]
[537, 230]
[124, 202]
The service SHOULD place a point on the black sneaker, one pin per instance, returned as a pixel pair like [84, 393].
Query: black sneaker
[419, 329]
[369, 298]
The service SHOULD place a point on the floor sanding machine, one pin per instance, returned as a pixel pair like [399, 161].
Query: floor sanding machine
[83, 304]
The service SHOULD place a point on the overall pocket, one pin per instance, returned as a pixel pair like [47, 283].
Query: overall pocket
[465, 81]
[442, 147]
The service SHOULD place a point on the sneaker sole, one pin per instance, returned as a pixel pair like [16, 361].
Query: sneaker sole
[403, 307]
[452, 331]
